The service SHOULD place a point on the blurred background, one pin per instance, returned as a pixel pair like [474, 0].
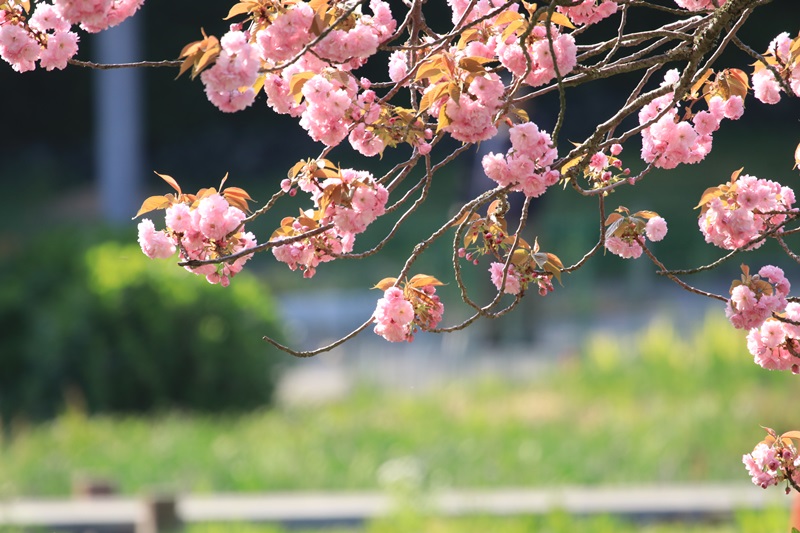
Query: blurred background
[116, 367]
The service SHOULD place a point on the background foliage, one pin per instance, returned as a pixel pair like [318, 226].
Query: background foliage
[103, 326]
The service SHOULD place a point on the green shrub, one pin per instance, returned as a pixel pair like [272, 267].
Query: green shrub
[111, 330]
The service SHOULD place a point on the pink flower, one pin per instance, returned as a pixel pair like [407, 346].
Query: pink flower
[398, 66]
[766, 87]
[589, 12]
[626, 249]
[154, 244]
[61, 47]
[656, 229]
[18, 47]
[512, 284]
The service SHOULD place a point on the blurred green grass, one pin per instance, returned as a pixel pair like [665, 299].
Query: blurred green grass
[767, 521]
[660, 406]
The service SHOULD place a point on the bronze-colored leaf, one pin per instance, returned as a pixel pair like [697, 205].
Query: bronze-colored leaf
[208, 57]
[423, 280]
[239, 9]
[695, 91]
[558, 18]
[444, 120]
[153, 203]
[520, 258]
[474, 64]
[613, 217]
[512, 28]
[170, 180]
[708, 195]
[647, 215]
[297, 82]
[433, 94]
[467, 36]
[571, 163]
[295, 170]
[385, 283]
[430, 70]
[794, 434]
[505, 17]
[796, 157]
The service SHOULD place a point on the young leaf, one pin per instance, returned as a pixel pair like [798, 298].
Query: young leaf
[505, 17]
[430, 70]
[474, 64]
[237, 197]
[520, 257]
[170, 180]
[791, 435]
[239, 9]
[423, 280]
[297, 82]
[708, 195]
[295, 170]
[700, 82]
[439, 90]
[796, 157]
[613, 217]
[558, 18]
[647, 215]
[206, 59]
[444, 120]
[385, 283]
[153, 203]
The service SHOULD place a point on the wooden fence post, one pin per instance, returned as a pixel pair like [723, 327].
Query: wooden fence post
[160, 515]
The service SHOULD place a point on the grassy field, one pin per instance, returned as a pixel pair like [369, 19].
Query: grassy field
[770, 521]
[663, 406]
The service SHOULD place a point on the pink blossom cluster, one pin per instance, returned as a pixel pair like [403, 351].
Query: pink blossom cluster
[228, 83]
[45, 38]
[476, 9]
[308, 253]
[775, 344]
[398, 66]
[284, 37]
[700, 5]
[670, 141]
[397, 317]
[210, 230]
[278, 86]
[628, 245]
[332, 106]
[601, 167]
[526, 165]
[472, 117]
[366, 202]
[291, 30]
[328, 103]
[517, 281]
[96, 15]
[752, 207]
[287, 33]
[590, 11]
[770, 464]
[361, 200]
[752, 302]
[765, 86]
[542, 66]
[351, 48]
